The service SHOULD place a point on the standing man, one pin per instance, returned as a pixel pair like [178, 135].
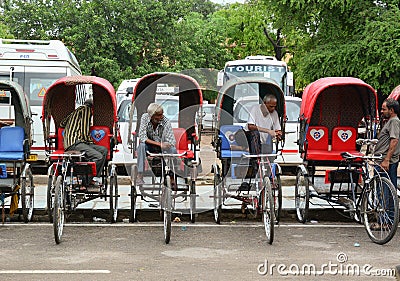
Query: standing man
[77, 137]
[155, 135]
[263, 125]
[388, 146]
[388, 139]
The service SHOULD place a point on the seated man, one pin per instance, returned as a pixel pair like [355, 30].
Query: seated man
[155, 135]
[263, 122]
[77, 137]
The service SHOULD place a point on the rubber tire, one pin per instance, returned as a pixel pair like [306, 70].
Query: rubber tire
[50, 197]
[58, 211]
[133, 195]
[193, 201]
[113, 198]
[217, 198]
[302, 209]
[27, 194]
[367, 212]
[277, 196]
[167, 197]
[267, 206]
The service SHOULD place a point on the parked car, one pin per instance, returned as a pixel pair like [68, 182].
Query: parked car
[290, 158]
[208, 117]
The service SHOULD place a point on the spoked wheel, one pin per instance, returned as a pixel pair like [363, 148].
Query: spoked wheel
[267, 205]
[58, 211]
[113, 198]
[217, 197]
[302, 196]
[277, 195]
[193, 201]
[167, 209]
[133, 195]
[50, 194]
[27, 194]
[380, 210]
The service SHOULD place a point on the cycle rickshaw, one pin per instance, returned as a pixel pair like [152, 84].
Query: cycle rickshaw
[253, 181]
[69, 171]
[338, 169]
[16, 180]
[186, 164]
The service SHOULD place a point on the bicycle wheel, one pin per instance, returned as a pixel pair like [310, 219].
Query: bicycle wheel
[133, 195]
[217, 198]
[58, 211]
[277, 195]
[27, 194]
[268, 209]
[193, 201]
[167, 210]
[50, 197]
[113, 198]
[302, 197]
[380, 210]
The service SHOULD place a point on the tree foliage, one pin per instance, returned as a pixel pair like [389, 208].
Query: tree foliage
[356, 38]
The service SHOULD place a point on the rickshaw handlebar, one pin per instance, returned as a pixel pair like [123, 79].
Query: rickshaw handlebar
[259, 155]
[366, 141]
[348, 156]
[166, 154]
[73, 154]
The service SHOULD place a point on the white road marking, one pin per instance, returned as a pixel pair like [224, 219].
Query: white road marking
[61, 271]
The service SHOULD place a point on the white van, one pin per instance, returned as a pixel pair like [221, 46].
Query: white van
[35, 65]
[123, 91]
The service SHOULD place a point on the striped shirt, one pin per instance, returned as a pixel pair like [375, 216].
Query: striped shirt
[162, 133]
[77, 126]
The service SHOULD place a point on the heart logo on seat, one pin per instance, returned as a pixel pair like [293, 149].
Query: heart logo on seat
[98, 135]
[230, 136]
[317, 134]
[344, 135]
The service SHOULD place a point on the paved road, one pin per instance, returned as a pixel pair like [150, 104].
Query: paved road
[196, 252]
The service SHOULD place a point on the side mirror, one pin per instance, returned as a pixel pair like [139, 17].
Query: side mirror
[129, 91]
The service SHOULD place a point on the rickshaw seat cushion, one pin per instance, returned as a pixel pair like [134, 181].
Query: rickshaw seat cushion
[344, 139]
[12, 143]
[227, 136]
[99, 134]
[182, 143]
[317, 138]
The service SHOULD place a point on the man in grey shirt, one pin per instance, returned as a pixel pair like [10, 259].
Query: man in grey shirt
[388, 139]
[155, 135]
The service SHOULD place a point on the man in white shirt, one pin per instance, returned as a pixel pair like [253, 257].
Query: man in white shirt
[263, 125]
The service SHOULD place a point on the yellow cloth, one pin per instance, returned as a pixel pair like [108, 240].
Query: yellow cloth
[14, 200]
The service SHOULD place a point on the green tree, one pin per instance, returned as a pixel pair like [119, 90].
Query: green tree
[341, 38]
